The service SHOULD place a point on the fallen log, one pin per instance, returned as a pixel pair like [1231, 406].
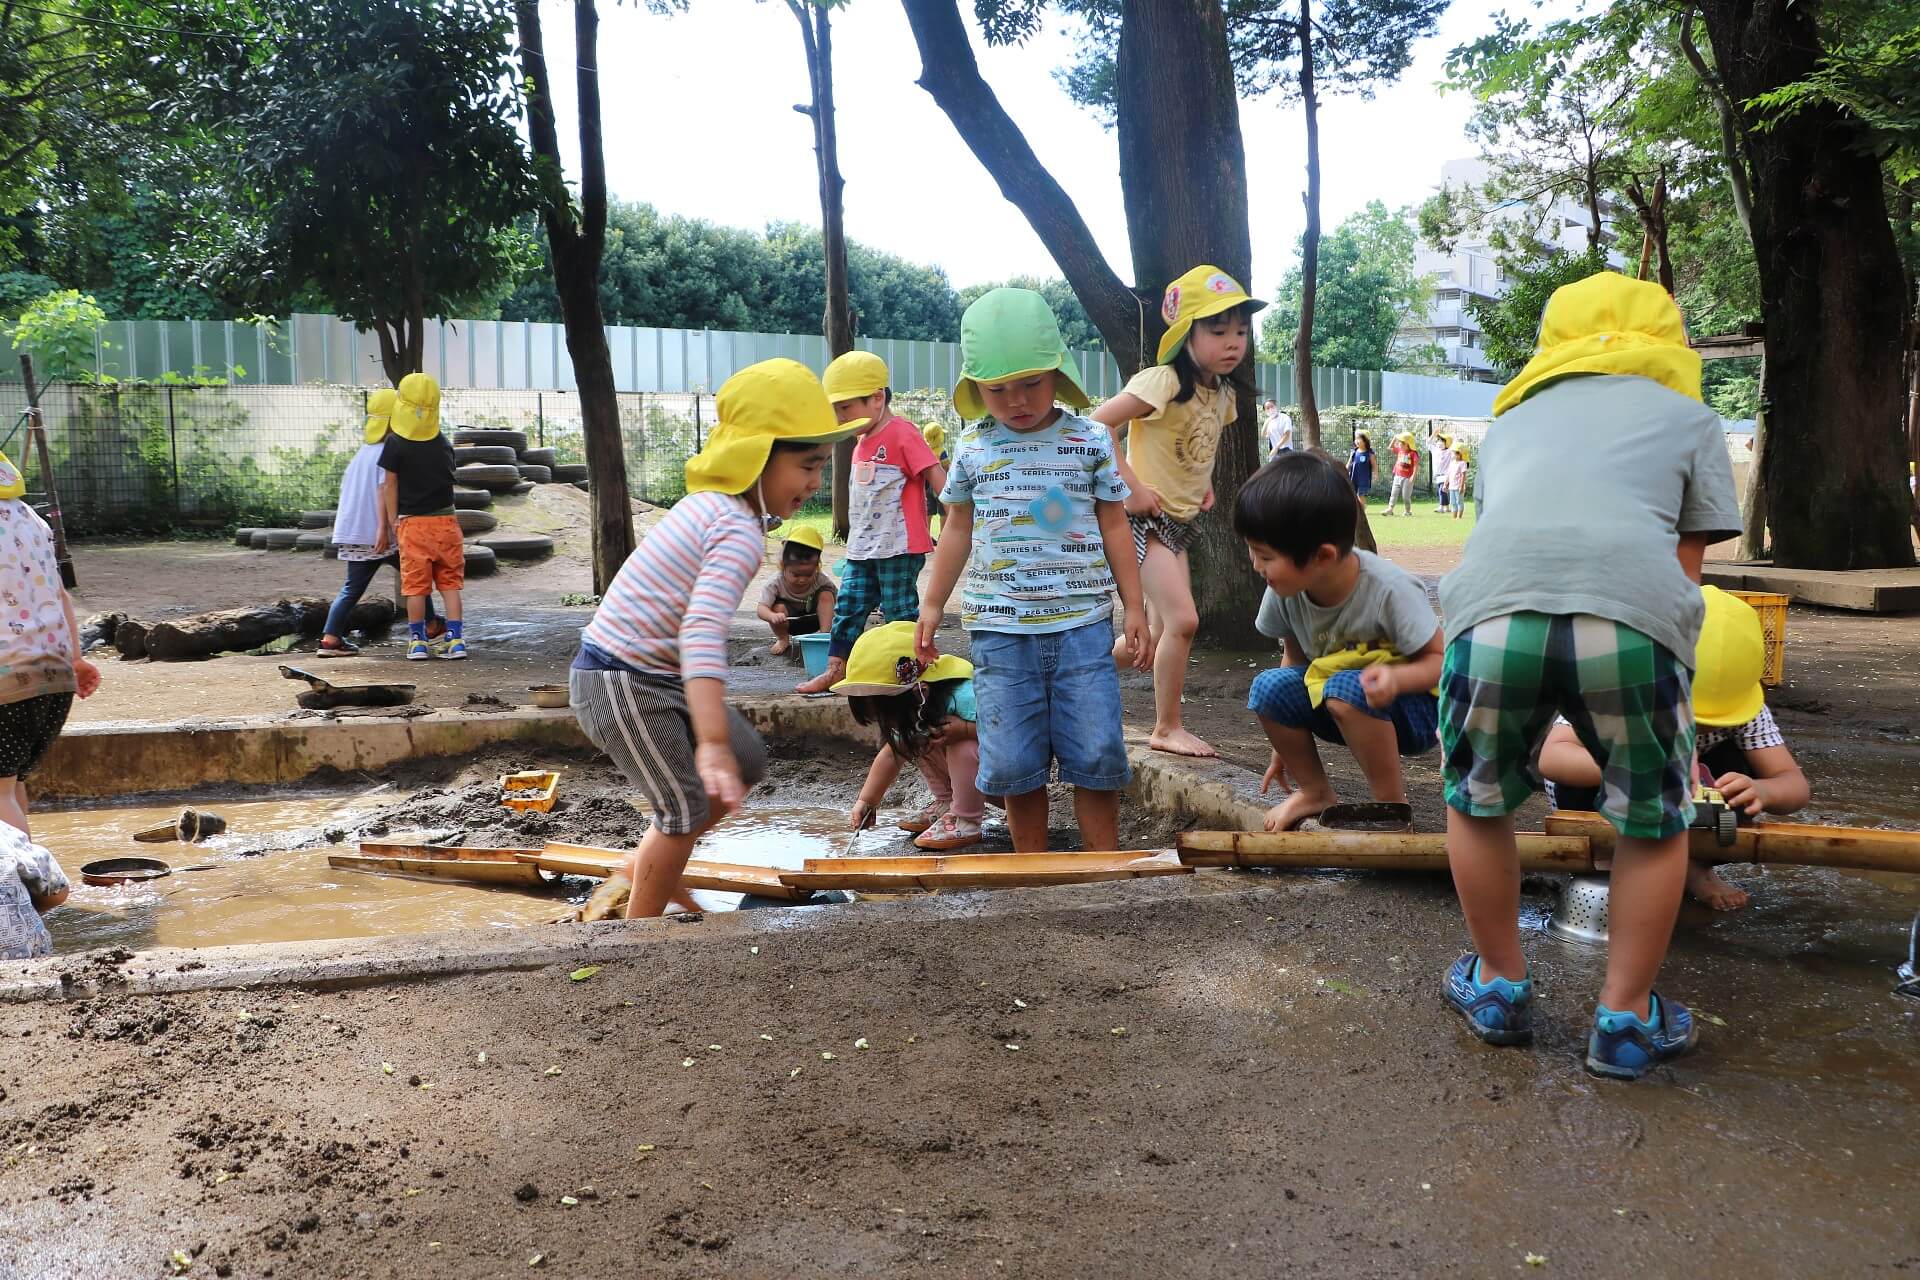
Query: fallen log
[1365, 850]
[1781, 843]
[230, 630]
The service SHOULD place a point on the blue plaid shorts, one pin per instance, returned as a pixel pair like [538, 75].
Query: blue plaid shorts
[1280, 695]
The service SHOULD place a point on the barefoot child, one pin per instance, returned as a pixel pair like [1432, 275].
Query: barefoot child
[888, 538]
[926, 714]
[1578, 594]
[649, 684]
[40, 664]
[1361, 643]
[798, 600]
[1740, 748]
[1034, 519]
[1171, 416]
[418, 492]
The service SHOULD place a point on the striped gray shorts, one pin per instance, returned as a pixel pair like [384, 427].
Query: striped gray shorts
[641, 721]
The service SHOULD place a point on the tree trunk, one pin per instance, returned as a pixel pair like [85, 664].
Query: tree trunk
[575, 244]
[1732, 154]
[1309, 424]
[1753, 532]
[1834, 329]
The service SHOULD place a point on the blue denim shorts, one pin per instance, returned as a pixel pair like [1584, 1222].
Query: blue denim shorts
[1280, 695]
[1045, 698]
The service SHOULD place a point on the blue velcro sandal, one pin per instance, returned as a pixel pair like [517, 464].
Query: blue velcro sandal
[1624, 1047]
[1498, 1011]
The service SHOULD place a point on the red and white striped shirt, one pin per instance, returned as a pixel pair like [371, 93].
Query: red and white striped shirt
[670, 606]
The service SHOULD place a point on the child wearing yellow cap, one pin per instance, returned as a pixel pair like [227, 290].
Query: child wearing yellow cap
[927, 715]
[1578, 593]
[362, 535]
[1457, 479]
[1171, 416]
[649, 683]
[41, 669]
[1034, 519]
[1406, 460]
[888, 537]
[418, 492]
[1742, 752]
[798, 601]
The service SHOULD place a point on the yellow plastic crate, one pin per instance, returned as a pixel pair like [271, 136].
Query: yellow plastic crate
[1773, 625]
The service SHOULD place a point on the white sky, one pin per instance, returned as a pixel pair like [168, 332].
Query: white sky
[697, 111]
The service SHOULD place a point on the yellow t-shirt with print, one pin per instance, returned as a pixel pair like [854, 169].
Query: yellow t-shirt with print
[1172, 448]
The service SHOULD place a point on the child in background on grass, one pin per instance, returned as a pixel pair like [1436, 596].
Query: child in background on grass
[361, 535]
[798, 601]
[650, 682]
[1360, 466]
[1406, 460]
[1440, 450]
[926, 714]
[40, 664]
[888, 536]
[1457, 480]
[1578, 594]
[1171, 416]
[1741, 750]
[1035, 521]
[31, 884]
[1360, 642]
[418, 492]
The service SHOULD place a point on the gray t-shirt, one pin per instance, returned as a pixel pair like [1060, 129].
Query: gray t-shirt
[1583, 493]
[1387, 610]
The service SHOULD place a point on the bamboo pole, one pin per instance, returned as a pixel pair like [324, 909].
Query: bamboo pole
[726, 877]
[981, 870]
[1780, 843]
[1371, 850]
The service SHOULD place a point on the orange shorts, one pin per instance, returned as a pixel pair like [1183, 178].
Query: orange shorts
[432, 555]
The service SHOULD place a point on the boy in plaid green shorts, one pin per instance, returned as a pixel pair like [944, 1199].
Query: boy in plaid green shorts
[1577, 594]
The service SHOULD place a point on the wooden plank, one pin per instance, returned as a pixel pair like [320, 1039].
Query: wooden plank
[724, 877]
[1781, 843]
[470, 870]
[1372, 850]
[981, 870]
[1860, 590]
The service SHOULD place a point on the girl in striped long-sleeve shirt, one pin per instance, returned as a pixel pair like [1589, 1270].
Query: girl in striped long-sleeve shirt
[649, 684]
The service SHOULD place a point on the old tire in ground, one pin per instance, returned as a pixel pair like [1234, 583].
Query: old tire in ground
[480, 560]
[244, 537]
[520, 490]
[274, 539]
[539, 475]
[472, 522]
[537, 457]
[316, 519]
[518, 546]
[581, 485]
[467, 453]
[570, 472]
[514, 440]
[313, 540]
[331, 551]
[487, 475]
[472, 499]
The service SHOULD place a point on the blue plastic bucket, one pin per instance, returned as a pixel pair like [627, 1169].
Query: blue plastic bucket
[813, 651]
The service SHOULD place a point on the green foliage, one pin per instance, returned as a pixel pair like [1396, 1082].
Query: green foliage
[1366, 291]
[18, 288]
[59, 329]
[1511, 324]
[1873, 77]
[1075, 327]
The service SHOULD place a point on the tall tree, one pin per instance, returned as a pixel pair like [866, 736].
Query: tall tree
[1835, 333]
[576, 237]
[1369, 291]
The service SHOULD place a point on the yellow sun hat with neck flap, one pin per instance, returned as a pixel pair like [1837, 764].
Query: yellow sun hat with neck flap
[12, 483]
[416, 408]
[765, 402]
[1608, 324]
[883, 663]
[1729, 659]
[855, 376]
[379, 415]
[1202, 292]
[1007, 335]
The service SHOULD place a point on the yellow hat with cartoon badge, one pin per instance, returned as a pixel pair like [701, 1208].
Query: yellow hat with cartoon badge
[416, 408]
[855, 376]
[773, 400]
[1202, 292]
[1007, 335]
[379, 415]
[12, 483]
[882, 663]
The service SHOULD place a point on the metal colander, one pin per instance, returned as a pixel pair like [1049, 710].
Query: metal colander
[1580, 910]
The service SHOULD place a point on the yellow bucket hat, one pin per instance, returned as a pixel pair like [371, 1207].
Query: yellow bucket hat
[874, 667]
[936, 437]
[806, 535]
[1202, 292]
[765, 402]
[12, 483]
[1728, 661]
[379, 415]
[855, 376]
[1608, 324]
[416, 408]
[1006, 335]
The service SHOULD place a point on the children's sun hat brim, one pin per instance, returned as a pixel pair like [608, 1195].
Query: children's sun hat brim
[1007, 335]
[12, 483]
[855, 376]
[763, 403]
[1202, 292]
[872, 666]
[379, 415]
[416, 408]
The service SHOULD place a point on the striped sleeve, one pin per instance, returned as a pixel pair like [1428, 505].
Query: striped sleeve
[731, 553]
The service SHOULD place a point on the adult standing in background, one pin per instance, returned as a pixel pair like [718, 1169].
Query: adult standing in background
[1279, 430]
[1440, 456]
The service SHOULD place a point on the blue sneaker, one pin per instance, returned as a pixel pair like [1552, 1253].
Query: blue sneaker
[418, 650]
[1623, 1047]
[1499, 1011]
[456, 649]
